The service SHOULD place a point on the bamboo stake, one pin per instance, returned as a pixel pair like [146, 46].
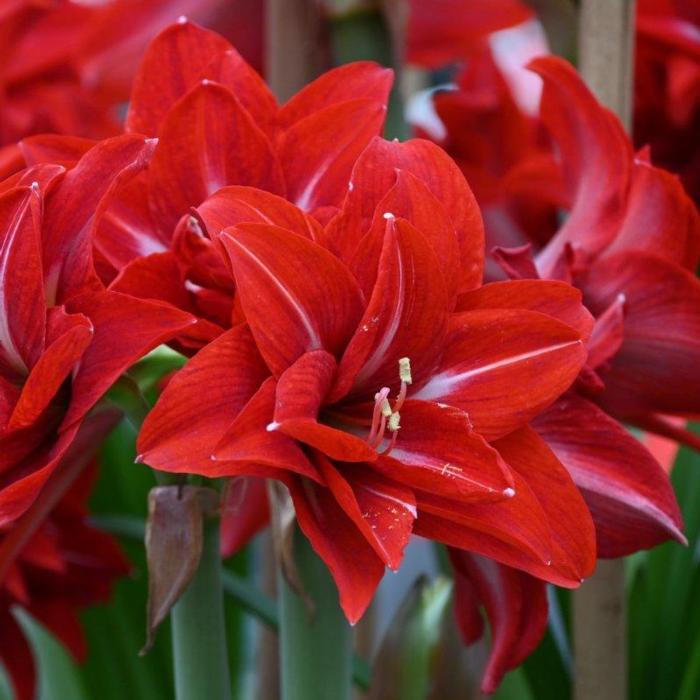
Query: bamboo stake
[606, 42]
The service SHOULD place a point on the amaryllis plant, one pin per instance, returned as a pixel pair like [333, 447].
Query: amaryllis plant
[369, 347]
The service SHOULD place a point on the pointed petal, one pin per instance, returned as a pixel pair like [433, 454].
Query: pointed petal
[382, 511]
[22, 303]
[503, 385]
[374, 175]
[627, 492]
[596, 156]
[54, 148]
[247, 440]
[235, 205]
[573, 532]
[296, 295]
[438, 452]
[353, 564]
[515, 604]
[125, 329]
[70, 208]
[556, 299]
[181, 431]
[301, 391]
[318, 152]
[406, 316]
[655, 370]
[173, 63]
[207, 141]
[73, 333]
[359, 80]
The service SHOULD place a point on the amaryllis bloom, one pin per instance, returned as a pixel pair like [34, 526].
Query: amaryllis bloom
[667, 86]
[630, 243]
[53, 571]
[355, 382]
[66, 66]
[226, 152]
[64, 339]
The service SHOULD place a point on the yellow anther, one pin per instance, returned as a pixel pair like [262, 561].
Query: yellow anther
[386, 408]
[394, 422]
[405, 370]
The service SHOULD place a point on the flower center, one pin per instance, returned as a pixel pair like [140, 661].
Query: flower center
[384, 417]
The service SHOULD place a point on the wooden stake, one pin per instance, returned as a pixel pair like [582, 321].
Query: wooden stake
[606, 43]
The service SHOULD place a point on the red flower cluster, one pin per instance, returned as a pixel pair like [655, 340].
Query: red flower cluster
[53, 571]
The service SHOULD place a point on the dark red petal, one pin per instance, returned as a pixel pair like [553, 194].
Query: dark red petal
[627, 492]
[362, 79]
[245, 512]
[406, 316]
[573, 532]
[318, 152]
[596, 156]
[503, 385]
[296, 295]
[17, 658]
[207, 141]
[438, 452]
[182, 430]
[516, 606]
[173, 63]
[656, 367]
[247, 440]
[356, 568]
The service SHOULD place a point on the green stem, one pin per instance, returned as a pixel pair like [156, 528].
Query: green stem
[315, 646]
[199, 633]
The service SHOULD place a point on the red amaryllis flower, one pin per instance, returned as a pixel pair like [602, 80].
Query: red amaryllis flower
[220, 133]
[630, 243]
[53, 571]
[354, 382]
[66, 67]
[667, 86]
[64, 339]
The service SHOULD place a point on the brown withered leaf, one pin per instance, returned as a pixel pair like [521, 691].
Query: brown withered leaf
[173, 547]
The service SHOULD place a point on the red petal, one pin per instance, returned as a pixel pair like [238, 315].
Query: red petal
[318, 152]
[515, 603]
[353, 564]
[556, 299]
[627, 492]
[70, 208]
[17, 657]
[181, 431]
[300, 394]
[406, 316]
[296, 295]
[125, 330]
[231, 206]
[22, 303]
[244, 514]
[655, 370]
[438, 452]
[174, 62]
[207, 141]
[54, 148]
[573, 532]
[503, 385]
[363, 79]
[374, 175]
[596, 156]
[247, 441]
[53, 367]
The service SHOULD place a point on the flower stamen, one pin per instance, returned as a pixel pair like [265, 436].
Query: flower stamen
[383, 416]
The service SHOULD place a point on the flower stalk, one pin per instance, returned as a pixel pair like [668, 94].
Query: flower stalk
[200, 655]
[314, 636]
